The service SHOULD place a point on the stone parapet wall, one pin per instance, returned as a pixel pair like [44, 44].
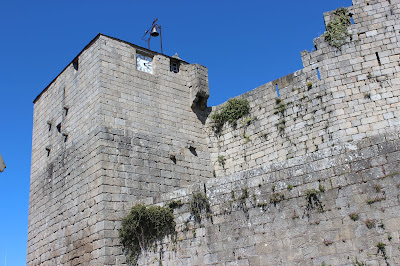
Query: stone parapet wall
[339, 96]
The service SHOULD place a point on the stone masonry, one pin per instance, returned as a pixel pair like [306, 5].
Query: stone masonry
[311, 178]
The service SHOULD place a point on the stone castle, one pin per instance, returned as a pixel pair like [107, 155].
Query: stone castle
[309, 178]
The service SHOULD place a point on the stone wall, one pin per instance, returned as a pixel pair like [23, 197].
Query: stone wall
[334, 206]
[105, 135]
[64, 207]
[355, 97]
[152, 141]
[308, 178]
[311, 178]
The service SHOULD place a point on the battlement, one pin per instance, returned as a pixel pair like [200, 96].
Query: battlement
[309, 176]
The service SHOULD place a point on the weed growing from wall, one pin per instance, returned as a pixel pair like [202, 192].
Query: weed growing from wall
[175, 204]
[280, 109]
[336, 30]
[376, 199]
[309, 85]
[359, 263]
[198, 205]
[382, 249]
[242, 201]
[233, 110]
[370, 223]
[354, 216]
[221, 160]
[313, 201]
[143, 227]
[276, 197]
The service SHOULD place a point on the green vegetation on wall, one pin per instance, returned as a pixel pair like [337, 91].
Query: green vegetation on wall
[143, 227]
[336, 30]
[198, 205]
[232, 111]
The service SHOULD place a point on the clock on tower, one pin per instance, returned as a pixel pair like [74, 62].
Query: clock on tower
[144, 63]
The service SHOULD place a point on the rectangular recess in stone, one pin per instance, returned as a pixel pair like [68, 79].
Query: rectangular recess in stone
[65, 137]
[48, 151]
[377, 58]
[174, 66]
[49, 124]
[59, 128]
[277, 90]
[75, 64]
[65, 110]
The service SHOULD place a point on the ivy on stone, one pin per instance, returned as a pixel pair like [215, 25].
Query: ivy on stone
[143, 227]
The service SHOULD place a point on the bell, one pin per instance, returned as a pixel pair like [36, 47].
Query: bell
[154, 32]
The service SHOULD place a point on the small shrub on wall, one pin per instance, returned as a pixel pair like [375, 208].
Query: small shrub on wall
[231, 113]
[336, 30]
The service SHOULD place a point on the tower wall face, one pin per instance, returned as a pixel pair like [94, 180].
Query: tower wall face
[307, 179]
[152, 140]
[65, 206]
[106, 135]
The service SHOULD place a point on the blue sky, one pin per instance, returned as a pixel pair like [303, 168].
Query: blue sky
[244, 44]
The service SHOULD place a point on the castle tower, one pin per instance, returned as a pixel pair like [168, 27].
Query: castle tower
[120, 123]
[309, 176]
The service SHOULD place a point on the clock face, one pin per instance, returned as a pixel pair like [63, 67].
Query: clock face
[144, 63]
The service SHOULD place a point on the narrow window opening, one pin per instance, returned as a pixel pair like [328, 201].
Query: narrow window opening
[65, 137]
[319, 75]
[48, 151]
[173, 158]
[377, 57]
[277, 90]
[59, 128]
[75, 63]
[351, 18]
[65, 111]
[174, 66]
[193, 150]
[49, 125]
